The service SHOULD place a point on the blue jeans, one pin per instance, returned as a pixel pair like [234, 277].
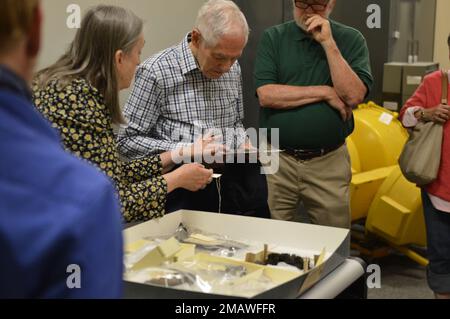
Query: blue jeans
[438, 237]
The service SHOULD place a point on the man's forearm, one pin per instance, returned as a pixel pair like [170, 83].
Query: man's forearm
[346, 82]
[139, 146]
[348, 86]
[285, 97]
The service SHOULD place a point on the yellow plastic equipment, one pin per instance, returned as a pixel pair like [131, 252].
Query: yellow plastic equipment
[379, 137]
[374, 148]
[396, 215]
[380, 194]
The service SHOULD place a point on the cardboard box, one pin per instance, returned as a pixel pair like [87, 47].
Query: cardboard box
[246, 229]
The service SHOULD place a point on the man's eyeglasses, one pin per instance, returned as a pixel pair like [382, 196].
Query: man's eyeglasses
[303, 4]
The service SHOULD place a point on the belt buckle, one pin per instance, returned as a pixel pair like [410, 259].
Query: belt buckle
[322, 152]
[300, 155]
[297, 153]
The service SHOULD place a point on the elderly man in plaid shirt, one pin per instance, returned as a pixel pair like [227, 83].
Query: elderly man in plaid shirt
[192, 88]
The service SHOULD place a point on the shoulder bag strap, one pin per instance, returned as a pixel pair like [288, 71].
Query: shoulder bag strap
[444, 99]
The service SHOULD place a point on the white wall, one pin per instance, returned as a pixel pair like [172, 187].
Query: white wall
[166, 24]
[441, 53]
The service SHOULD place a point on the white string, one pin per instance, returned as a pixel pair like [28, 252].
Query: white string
[219, 187]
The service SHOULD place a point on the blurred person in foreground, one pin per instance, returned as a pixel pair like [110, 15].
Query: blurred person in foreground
[58, 215]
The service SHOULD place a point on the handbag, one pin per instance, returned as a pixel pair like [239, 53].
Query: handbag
[421, 156]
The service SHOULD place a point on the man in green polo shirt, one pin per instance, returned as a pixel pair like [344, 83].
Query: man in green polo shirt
[310, 73]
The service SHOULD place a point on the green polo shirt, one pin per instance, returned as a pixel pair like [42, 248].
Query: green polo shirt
[287, 55]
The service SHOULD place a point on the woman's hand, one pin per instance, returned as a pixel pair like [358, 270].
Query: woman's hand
[439, 114]
[192, 177]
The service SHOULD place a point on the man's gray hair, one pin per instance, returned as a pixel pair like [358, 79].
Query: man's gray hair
[218, 18]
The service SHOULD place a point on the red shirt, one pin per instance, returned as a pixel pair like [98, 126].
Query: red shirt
[429, 95]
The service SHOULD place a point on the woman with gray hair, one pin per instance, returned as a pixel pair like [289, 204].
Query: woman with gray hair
[79, 95]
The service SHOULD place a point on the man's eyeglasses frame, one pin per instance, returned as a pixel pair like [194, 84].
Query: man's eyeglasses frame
[302, 4]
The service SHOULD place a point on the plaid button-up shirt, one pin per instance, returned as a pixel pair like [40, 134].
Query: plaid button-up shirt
[172, 102]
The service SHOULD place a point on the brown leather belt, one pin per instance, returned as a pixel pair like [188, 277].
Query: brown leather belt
[306, 155]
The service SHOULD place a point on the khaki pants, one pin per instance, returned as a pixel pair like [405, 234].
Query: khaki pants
[322, 184]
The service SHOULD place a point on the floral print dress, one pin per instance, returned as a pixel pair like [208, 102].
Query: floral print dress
[84, 122]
